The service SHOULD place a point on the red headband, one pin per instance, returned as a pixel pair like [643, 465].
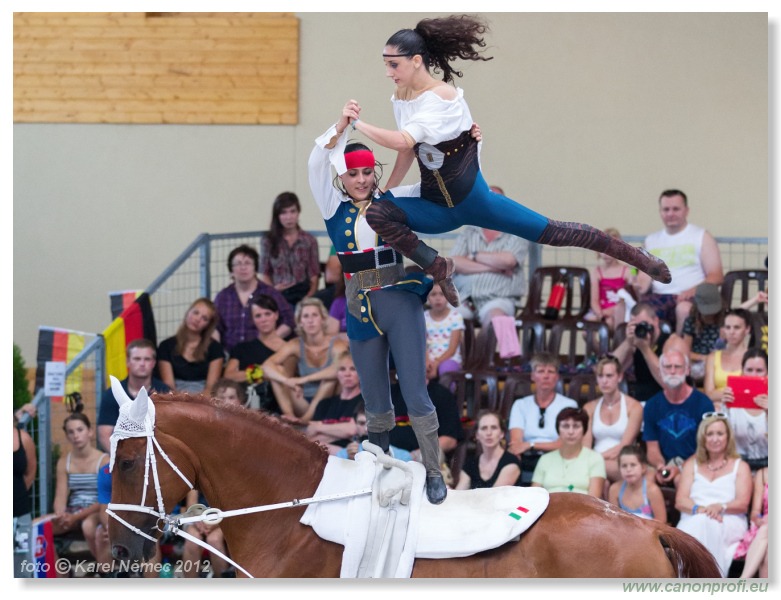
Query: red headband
[359, 159]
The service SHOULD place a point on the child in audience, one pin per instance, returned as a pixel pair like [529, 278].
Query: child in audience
[634, 492]
[444, 327]
[230, 392]
[608, 278]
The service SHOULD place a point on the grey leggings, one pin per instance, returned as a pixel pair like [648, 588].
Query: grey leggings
[399, 314]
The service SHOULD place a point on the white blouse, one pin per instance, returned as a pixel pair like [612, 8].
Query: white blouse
[432, 119]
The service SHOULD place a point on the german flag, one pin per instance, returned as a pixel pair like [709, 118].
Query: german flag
[58, 345]
[135, 322]
[122, 300]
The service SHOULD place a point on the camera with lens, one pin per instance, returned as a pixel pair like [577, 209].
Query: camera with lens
[642, 329]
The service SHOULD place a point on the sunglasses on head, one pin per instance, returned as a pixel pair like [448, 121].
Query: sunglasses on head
[710, 415]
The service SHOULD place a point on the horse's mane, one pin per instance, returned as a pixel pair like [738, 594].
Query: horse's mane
[262, 419]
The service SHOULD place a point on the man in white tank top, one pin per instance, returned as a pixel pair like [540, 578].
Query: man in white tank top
[690, 252]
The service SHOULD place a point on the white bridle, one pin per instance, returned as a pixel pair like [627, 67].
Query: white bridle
[137, 419]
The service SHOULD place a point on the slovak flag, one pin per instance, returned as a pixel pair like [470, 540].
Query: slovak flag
[43, 548]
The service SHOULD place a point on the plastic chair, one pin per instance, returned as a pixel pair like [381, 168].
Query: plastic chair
[474, 390]
[576, 300]
[582, 387]
[514, 386]
[745, 284]
[574, 341]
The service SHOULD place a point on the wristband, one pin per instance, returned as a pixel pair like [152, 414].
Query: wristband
[353, 123]
[694, 509]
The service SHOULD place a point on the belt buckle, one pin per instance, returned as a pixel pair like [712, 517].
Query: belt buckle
[369, 273]
[378, 261]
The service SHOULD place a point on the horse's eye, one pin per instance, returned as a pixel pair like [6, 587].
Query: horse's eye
[126, 465]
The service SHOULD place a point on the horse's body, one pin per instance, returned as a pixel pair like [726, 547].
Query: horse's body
[241, 459]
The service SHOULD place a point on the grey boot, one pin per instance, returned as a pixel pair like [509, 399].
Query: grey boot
[378, 427]
[425, 429]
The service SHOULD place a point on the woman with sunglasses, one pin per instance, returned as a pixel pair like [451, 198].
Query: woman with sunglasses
[614, 419]
[433, 122]
[573, 467]
[715, 490]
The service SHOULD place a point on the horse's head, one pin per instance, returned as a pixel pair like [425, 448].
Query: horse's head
[133, 468]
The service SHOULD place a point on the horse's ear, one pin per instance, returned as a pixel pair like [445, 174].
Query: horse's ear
[140, 406]
[120, 395]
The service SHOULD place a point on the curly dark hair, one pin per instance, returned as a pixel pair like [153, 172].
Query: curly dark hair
[441, 41]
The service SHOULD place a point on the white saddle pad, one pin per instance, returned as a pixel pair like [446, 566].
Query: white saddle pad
[467, 522]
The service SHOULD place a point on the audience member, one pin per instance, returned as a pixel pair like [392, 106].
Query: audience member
[229, 392]
[489, 270]
[362, 433]
[714, 491]
[702, 328]
[247, 357]
[492, 465]
[690, 252]
[25, 465]
[444, 328]
[288, 255]
[141, 358]
[234, 301]
[614, 418]
[533, 418]
[608, 279]
[641, 348]
[754, 545]
[750, 425]
[634, 492]
[450, 430]
[736, 330]
[670, 418]
[76, 492]
[572, 467]
[314, 352]
[332, 423]
[332, 274]
[191, 361]
[192, 553]
[337, 312]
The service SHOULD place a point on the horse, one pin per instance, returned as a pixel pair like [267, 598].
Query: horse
[239, 458]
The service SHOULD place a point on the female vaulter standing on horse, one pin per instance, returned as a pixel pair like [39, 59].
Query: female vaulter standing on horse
[434, 124]
[384, 304]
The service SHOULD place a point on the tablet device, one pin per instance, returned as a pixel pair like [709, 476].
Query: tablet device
[744, 388]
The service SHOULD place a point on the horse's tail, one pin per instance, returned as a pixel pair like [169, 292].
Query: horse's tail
[689, 557]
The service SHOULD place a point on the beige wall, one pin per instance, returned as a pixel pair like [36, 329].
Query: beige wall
[585, 117]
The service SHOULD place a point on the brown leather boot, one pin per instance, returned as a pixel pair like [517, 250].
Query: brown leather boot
[441, 270]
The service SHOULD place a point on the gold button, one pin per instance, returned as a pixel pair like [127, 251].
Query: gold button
[360, 296]
[348, 220]
[351, 245]
[365, 320]
[456, 150]
[347, 232]
[352, 210]
[363, 309]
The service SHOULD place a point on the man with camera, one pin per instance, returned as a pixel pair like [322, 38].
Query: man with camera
[644, 344]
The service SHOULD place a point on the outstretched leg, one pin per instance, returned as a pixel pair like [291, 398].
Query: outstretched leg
[562, 233]
[390, 222]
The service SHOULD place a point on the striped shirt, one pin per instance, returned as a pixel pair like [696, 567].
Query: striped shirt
[83, 486]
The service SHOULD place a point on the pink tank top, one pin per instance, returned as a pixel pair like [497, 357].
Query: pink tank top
[608, 287]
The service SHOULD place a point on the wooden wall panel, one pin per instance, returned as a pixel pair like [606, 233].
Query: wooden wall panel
[156, 68]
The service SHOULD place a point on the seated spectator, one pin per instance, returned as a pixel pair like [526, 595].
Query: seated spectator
[608, 279]
[289, 259]
[490, 271]
[140, 362]
[332, 274]
[702, 328]
[234, 301]
[736, 330]
[25, 465]
[76, 493]
[246, 357]
[332, 423]
[690, 252]
[754, 544]
[750, 425]
[229, 392]
[614, 419]
[634, 492]
[450, 431]
[640, 351]
[671, 417]
[715, 491]
[492, 465]
[444, 328]
[315, 354]
[337, 311]
[191, 361]
[192, 553]
[572, 467]
[533, 418]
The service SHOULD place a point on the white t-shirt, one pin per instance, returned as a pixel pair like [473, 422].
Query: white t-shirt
[682, 252]
[525, 414]
[438, 334]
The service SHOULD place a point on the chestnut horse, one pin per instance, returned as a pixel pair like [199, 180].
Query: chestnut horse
[241, 459]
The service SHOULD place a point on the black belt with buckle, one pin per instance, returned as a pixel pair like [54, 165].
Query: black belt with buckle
[363, 261]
